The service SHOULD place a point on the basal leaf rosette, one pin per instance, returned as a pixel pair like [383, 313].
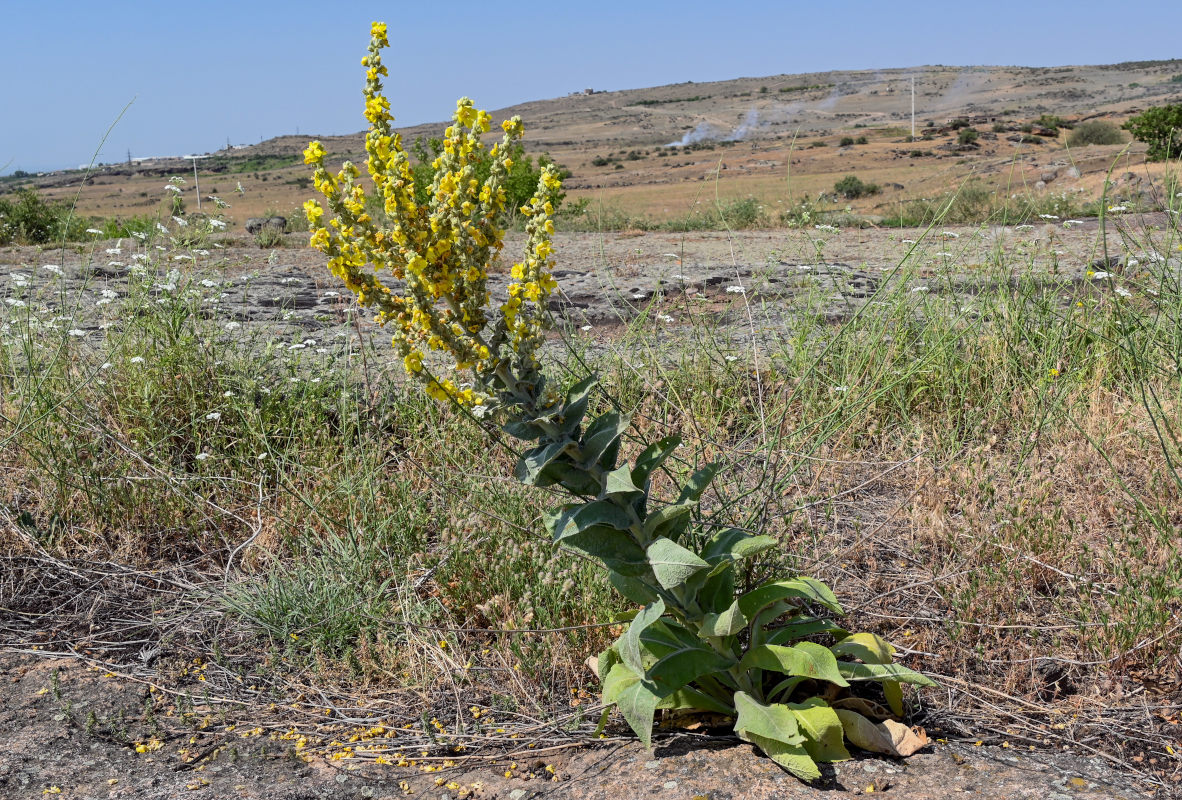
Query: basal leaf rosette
[424, 268]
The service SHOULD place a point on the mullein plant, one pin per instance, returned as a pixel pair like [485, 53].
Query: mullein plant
[770, 657]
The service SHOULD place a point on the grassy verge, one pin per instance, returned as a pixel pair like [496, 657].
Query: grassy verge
[986, 470]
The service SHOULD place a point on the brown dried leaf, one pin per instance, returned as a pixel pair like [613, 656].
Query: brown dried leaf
[867, 708]
[888, 737]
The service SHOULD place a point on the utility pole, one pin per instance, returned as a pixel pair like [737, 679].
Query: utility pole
[197, 184]
[913, 108]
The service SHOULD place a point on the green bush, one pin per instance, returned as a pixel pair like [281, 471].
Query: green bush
[967, 136]
[1096, 131]
[30, 219]
[861, 140]
[1051, 122]
[851, 187]
[520, 183]
[1161, 129]
[846, 141]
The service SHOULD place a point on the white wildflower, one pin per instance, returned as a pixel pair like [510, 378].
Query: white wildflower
[735, 290]
[214, 415]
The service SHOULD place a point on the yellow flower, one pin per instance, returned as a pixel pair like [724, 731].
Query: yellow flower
[314, 152]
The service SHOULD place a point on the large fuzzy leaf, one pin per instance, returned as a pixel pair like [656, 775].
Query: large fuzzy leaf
[673, 564]
[883, 672]
[632, 589]
[619, 482]
[599, 529]
[628, 645]
[688, 697]
[668, 521]
[635, 698]
[868, 647]
[800, 627]
[601, 434]
[685, 664]
[653, 456]
[808, 589]
[822, 729]
[726, 623]
[807, 659]
[774, 730]
[531, 465]
[692, 491]
[873, 649]
[733, 544]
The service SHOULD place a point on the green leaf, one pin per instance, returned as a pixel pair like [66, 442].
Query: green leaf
[822, 729]
[601, 433]
[599, 529]
[636, 700]
[773, 722]
[530, 465]
[792, 757]
[632, 589]
[894, 696]
[576, 404]
[523, 430]
[880, 672]
[605, 661]
[728, 623]
[692, 491]
[672, 563]
[668, 521]
[784, 688]
[774, 730]
[866, 647]
[628, 645]
[873, 649]
[807, 658]
[808, 589]
[653, 457]
[687, 697]
[619, 481]
[684, 665]
[578, 517]
[734, 545]
[718, 587]
[800, 627]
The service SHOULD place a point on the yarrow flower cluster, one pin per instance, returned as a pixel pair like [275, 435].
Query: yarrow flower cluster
[440, 251]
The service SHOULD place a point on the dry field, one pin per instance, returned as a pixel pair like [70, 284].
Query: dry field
[238, 555]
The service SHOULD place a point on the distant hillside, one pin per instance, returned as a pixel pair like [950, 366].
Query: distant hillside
[649, 149]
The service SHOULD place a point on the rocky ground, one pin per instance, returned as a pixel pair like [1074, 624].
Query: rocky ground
[605, 279]
[56, 739]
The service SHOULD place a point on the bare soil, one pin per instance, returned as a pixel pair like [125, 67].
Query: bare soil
[78, 730]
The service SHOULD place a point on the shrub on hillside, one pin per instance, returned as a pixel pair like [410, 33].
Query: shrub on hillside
[1096, 131]
[967, 136]
[30, 219]
[1161, 129]
[852, 187]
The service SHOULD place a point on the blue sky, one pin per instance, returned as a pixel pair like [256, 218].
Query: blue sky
[199, 74]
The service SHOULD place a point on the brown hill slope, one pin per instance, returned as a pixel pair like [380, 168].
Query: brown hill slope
[740, 137]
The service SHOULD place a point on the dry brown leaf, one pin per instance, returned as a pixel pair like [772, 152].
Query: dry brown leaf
[867, 708]
[888, 737]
